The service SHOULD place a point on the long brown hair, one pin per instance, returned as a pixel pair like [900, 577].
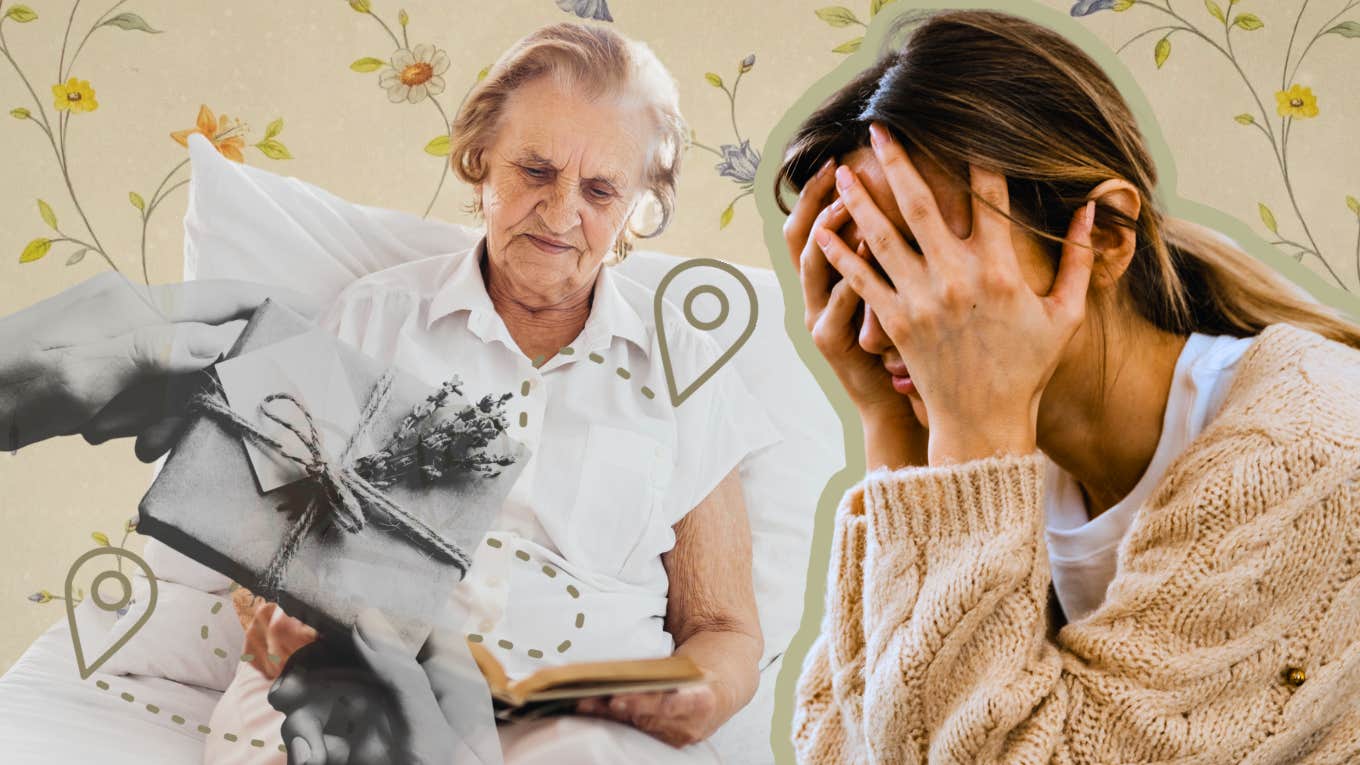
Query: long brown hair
[1017, 98]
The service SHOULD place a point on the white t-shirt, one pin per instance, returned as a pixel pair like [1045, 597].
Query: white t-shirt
[571, 569]
[1083, 551]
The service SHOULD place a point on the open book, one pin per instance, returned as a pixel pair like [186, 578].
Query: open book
[553, 690]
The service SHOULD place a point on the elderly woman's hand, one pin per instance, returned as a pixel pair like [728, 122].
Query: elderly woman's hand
[679, 717]
[109, 359]
[272, 636]
[981, 345]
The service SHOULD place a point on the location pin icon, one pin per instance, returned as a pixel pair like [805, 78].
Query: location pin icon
[678, 394]
[123, 597]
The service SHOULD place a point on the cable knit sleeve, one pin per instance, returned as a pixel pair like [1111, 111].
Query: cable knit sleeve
[1229, 634]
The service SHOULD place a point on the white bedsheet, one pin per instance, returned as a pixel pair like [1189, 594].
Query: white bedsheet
[49, 715]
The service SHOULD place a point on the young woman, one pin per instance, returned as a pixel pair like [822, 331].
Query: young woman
[1112, 513]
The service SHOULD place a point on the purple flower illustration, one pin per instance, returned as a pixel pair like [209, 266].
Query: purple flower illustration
[739, 162]
[1088, 7]
[587, 9]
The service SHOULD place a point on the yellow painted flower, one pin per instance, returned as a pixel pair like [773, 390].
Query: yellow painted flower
[74, 96]
[223, 133]
[1297, 102]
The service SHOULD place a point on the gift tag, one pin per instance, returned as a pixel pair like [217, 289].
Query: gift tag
[307, 367]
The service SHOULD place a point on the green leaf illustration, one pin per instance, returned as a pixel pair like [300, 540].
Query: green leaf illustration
[77, 256]
[130, 22]
[137, 201]
[20, 113]
[1122, 5]
[726, 216]
[713, 79]
[1345, 29]
[482, 74]
[362, 6]
[837, 16]
[1214, 9]
[367, 64]
[1353, 203]
[49, 217]
[273, 128]
[877, 5]
[1248, 21]
[438, 147]
[403, 17]
[849, 46]
[1268, 217]
[101, 538]
[21, 14]
[273, 149]
[35, 249]
[1162, 52]
[1245, 119]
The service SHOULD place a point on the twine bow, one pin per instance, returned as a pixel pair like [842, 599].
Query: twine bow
[344, 494]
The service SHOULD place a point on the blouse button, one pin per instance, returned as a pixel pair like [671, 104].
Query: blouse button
[1294, 676]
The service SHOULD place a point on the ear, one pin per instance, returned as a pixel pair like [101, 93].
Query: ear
[1114, 243]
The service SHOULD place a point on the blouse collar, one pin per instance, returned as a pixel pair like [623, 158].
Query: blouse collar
[611, 315]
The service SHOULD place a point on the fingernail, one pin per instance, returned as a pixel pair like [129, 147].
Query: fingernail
[821, 235]
[1090, 213]
[299, 751]
[826, 166]
[843, 177]
[876, 135]
[836, 206]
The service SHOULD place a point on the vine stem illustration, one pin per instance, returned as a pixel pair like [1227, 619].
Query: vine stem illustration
[1278, 144]
[405, 43]
[58, 141]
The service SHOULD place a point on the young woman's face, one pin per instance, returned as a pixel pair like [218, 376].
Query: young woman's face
[954, 204]
[561, 179]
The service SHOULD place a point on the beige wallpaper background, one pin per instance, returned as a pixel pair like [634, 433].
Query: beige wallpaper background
[294, 74]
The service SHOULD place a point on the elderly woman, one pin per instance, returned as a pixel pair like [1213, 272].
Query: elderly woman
[632, 504]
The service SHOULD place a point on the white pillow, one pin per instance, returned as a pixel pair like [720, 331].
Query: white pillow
[192, 637]
[170, 565]
[247, 223]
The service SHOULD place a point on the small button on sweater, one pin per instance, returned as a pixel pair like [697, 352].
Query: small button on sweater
[1230, 633]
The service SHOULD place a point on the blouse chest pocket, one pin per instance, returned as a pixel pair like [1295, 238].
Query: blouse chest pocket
[624, 476]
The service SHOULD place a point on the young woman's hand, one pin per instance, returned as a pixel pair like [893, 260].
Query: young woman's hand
[980, 344]
[893, 435]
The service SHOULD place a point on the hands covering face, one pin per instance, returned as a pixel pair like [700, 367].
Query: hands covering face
[981, 345]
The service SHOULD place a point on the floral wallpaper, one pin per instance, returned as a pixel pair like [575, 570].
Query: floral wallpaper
[1256, 99]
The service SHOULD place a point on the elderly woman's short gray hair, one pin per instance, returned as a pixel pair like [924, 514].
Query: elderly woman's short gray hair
[597, 59]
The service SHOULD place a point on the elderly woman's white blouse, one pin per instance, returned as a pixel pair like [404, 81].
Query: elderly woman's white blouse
[571, 570]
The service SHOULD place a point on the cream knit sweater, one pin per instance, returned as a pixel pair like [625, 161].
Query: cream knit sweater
[1231, 632]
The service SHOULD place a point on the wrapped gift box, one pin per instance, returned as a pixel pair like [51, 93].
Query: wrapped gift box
[208, 503]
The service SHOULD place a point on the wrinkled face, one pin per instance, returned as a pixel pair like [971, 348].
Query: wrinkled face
[562, 177]
[954, 204]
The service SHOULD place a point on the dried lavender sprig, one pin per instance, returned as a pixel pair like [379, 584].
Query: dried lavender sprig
[423, 410]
